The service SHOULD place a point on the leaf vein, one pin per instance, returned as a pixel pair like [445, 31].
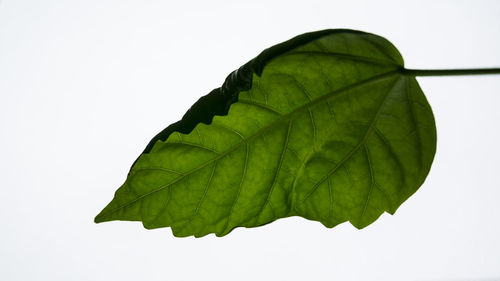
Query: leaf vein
[280, 163]
[200, 202]
[193, 145]
[245, 167]
[260, 105]
[372, 181]
[343, 56]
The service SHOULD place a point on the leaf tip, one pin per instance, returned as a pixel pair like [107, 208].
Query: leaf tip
[100, 218]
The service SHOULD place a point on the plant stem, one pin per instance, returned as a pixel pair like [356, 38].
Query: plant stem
[450, 72]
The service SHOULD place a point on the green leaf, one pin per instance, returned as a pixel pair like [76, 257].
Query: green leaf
[326, 126]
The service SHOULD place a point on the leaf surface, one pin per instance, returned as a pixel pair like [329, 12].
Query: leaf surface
[325, 126]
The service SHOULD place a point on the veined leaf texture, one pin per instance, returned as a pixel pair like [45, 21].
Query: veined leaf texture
[326, 126]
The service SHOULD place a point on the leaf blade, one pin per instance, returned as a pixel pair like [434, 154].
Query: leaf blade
[271, 146]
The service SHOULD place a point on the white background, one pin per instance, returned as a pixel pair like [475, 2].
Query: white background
[84, 85]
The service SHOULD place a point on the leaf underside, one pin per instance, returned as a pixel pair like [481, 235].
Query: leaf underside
[324, 126]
